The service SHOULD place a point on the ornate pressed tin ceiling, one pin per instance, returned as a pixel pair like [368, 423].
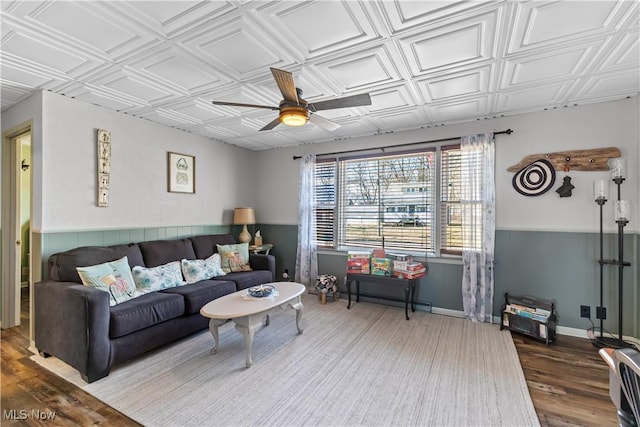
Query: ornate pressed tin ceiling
[425, 63]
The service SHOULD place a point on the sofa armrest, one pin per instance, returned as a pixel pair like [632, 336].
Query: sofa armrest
[263, 262]
[72, 324]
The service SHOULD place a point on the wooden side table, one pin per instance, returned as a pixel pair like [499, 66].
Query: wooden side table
[261, 248]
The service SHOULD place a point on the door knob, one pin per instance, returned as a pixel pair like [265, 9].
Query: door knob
[18, 242]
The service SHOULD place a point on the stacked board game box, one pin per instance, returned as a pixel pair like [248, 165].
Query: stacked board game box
[408, 269]
[359, 262]
[381, 267]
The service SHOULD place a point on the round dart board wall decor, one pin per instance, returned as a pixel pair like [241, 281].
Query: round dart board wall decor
[535, 179]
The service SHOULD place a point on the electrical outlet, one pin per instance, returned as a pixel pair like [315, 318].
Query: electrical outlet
[585, 311]
[601, 313]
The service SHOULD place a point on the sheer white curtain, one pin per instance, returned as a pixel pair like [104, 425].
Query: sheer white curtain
[477, 203]
[307, 254]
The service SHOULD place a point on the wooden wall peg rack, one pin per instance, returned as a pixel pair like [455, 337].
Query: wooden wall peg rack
[594, 159]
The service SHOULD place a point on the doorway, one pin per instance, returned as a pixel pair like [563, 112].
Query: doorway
[24, 205]
[17, 280]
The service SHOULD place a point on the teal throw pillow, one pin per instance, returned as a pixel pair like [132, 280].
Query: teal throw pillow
[195, 270]
[113, 277]
[157, 278]
[234, 257]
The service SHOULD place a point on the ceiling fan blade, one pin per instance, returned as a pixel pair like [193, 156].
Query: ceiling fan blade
[347, 101]
[323, 122]
[285, 82]
[271, 124]
[237, 104]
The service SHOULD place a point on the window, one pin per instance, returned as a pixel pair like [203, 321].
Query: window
[396, 201]
[450, 209]
[325, 186]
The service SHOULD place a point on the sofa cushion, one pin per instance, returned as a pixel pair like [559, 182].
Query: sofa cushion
[195, 270]
[63, 265]
[246, 279]
[159, 252]
[112, 277]
[198, 294]
[234, 257]
[131, 251]
[144, 311]
[205, 246]
[151, 279]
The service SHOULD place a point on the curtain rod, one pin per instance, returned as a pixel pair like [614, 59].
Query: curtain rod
[507, 132]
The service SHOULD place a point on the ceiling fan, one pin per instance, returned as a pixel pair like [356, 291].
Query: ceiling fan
[295, 111]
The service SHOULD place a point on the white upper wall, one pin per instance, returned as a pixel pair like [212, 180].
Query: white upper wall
[138, 188]
[591, 126]
[64, 168]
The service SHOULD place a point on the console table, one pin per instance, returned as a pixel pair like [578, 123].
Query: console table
[409, 286]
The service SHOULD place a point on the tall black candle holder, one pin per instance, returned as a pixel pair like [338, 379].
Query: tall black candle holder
[603, 341]
[601, 201]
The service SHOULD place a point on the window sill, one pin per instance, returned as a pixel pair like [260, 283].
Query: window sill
[447, 259]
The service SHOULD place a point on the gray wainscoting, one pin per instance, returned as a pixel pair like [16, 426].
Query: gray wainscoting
[52, 243]
[560, 266]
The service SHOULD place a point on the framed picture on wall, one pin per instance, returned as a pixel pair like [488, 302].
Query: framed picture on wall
[181, 171]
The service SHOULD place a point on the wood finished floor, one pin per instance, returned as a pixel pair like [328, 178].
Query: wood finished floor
[568, 383]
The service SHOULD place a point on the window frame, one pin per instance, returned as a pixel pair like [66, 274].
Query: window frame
[439, 251]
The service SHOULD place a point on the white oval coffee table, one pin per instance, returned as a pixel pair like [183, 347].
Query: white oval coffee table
[248, 313]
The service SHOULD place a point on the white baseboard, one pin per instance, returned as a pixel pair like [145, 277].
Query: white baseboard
[560, 330]
[571, 332]
[32, 347]
[447, 312]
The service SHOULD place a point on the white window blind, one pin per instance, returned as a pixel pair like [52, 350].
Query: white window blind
[325, 183]
[452, 176]
[388, 201]
[450, 210]
[391, 200]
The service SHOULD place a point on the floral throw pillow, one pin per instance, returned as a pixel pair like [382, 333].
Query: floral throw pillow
[157, 278]
[234, 257]
[113, 277]
[195, 270]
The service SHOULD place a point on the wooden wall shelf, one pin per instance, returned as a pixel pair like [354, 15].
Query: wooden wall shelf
[594, 159]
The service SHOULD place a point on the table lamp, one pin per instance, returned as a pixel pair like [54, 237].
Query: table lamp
[244, 216]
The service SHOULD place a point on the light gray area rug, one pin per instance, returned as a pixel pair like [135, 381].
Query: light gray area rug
[364, 366]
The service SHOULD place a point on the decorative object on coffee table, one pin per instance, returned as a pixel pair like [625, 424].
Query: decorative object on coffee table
[181, 173]
[244, 216]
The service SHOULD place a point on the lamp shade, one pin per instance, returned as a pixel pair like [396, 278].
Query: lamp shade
[622, 210]
[600, 190]
[618, 168]
[244, 216]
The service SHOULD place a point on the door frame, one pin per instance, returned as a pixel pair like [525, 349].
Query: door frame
[11, 268]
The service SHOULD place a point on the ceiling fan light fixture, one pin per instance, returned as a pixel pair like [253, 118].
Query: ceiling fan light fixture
[294, 116]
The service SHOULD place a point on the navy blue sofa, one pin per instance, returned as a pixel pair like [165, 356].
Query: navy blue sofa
[75, 323]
